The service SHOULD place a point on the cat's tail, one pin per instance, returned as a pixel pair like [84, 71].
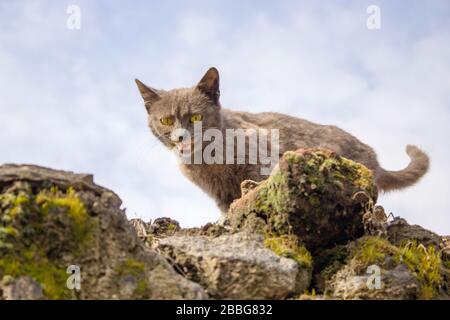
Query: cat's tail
[392, 180]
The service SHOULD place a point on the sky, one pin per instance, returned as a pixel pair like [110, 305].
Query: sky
[68, 99]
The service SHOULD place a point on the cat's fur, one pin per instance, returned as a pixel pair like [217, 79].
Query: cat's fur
[222, 181]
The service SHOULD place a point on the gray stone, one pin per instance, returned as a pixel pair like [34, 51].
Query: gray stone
[396, 284]
[236, 266]
[22, 288]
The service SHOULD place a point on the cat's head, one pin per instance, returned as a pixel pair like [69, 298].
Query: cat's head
[170, 111]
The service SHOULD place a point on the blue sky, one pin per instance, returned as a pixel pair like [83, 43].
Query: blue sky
[68, 99]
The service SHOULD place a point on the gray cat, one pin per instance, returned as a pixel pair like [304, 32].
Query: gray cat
[182, 108]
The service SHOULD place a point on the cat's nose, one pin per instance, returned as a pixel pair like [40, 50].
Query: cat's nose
[178, 135]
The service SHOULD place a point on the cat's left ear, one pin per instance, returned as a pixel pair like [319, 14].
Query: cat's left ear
[209, 85]
[148, 94]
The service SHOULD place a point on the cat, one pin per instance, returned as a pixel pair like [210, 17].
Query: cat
[182, 108]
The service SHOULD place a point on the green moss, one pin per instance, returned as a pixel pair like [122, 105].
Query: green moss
[13, 208]
[150, 239]
[132, 267]
[13, 205]
[287, 246]
[321, 169]
[75, 209]
[372, 250]
[306, 185]
[322, 166]
[292, 157]
[307, 295]
[272, 202]
[359, 174]
[27, 225]
[277, 195]
[171, 227]
[35, 264]
[314, 201]
[446, 264]
[8, 231]
[425, 263]
[273, 195]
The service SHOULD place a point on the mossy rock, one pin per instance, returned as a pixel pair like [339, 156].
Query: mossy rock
[314, 194]
[289, 247]
[410, 271]
[241, 265]
[50, 220]
[37, 230]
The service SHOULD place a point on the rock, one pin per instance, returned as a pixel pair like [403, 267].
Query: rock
[22, 288]
[409, 272]
[314, 194]
[445, 249]
[328, 262]
[51, 220]
[164, 227]
[310, 231]
[209, 229]
[236, 266]
[398, 284]
[399, 232]
[141, 228]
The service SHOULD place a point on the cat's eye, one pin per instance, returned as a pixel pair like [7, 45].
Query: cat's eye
[167, 121]
[196, 118]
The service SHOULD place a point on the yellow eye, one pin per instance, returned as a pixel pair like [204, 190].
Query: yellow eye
[167, 121]
[196, 118]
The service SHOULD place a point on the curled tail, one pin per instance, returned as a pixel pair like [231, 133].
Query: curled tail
[391, 180]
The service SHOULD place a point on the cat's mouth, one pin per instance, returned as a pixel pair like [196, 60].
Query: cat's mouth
[188, 146]
[184, 148]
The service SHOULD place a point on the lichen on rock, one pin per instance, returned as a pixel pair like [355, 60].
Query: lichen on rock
[312, 230]
[410, 271]
[36, 230]
[314, 194]
[50, 220]
[289, 247]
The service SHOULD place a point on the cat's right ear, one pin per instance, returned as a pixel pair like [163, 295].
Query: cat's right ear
[148, 94]
[209, 85]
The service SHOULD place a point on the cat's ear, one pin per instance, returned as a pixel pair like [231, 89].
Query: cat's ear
[148, 94]
[209, 85]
